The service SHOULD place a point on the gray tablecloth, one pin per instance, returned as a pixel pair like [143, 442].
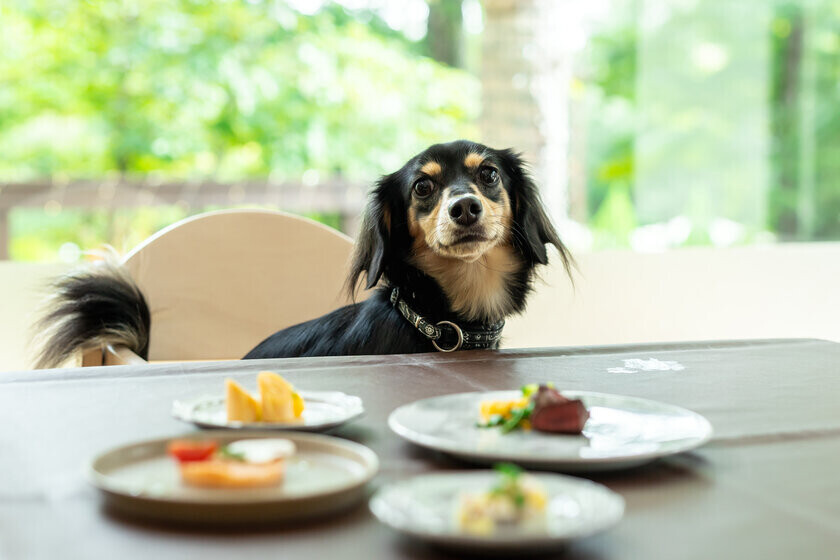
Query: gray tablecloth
[766, 486]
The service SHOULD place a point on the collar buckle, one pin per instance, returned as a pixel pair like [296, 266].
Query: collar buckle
[458, 331]
[473, 337]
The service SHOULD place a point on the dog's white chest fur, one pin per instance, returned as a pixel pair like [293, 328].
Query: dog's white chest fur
[477, 290]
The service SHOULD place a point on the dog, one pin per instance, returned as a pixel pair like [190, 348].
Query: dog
[451, 242]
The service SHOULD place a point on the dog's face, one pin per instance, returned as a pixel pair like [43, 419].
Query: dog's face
[459, 212]
[458, 205]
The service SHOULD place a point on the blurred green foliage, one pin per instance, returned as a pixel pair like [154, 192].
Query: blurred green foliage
[215, 89]
[38, 235]
[805, 203]
[802, 194]
[606, 93]
[223, 90]
[230, 90]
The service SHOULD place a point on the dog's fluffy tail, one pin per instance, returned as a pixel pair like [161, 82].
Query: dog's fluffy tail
[89, 309]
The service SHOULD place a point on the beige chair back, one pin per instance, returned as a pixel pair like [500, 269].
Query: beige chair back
[219, 283]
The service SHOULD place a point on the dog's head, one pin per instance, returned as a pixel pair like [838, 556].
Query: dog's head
[452, 205]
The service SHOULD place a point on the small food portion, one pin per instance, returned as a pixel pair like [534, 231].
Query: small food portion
[555, 413]
[541, 407]
[278, 402]
[254, 463]
[276, 395]
[517, 500]
[241, 407]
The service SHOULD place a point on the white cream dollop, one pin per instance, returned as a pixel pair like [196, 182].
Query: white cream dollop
[263, 450]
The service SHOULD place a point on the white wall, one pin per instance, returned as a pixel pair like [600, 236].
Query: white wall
[22, 288]
[691, 294]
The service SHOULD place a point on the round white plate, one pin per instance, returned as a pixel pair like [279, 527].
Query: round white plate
[424, 507]
[621, 432]
[323, 410]
[325, 475]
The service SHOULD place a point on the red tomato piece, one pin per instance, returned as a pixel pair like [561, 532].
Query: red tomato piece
[187, 450]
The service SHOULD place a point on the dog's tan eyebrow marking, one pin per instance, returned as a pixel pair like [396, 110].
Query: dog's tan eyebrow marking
[431, 168]
[473, 160]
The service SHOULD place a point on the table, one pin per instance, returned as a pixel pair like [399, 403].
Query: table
[767, 485]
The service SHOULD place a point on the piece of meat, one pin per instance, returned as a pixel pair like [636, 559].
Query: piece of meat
[555, 413]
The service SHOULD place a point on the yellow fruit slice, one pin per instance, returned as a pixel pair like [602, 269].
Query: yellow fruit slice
[297, 404]
[241, 407]
[277, 398]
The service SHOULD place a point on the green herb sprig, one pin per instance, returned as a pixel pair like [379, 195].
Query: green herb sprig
[517, 416]
[508, 483]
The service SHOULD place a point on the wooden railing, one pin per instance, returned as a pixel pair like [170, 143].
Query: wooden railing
[335, 196]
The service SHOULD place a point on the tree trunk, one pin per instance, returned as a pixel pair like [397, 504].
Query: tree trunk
[444, 35]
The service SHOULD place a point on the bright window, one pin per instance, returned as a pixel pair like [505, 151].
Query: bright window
[651, 124]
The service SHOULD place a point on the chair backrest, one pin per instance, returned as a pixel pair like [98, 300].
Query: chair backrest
[219, 283]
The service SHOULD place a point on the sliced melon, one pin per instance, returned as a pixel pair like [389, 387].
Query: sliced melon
[241, 407]
[277, 398]
[218, 473]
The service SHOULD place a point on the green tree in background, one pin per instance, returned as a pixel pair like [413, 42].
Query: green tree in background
[802, 104]
[222, 89]
[186, 89]
[607, 96]
[805, 104]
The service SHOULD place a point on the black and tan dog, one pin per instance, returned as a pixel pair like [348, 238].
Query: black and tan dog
[452, 239]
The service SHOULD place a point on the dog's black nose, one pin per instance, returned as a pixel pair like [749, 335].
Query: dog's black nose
[465, 210]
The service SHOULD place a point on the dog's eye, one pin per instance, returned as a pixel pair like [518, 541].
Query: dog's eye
[488, 175]
[423, 188]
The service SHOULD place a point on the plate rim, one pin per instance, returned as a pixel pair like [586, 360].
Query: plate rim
[179, 406]
[100, 480]
[424, 441]
[483, 541]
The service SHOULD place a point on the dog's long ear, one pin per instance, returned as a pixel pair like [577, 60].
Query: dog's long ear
[534, 228]
[373, 243]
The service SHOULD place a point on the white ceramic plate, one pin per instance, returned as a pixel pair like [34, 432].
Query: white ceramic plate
[424, 507]
[323, 410]
[325, 475]
[621, 432]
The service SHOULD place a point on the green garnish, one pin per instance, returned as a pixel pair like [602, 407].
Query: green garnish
[508, 484]
[508, 470]
[530, 389]
[518, 415]
[228, 454]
